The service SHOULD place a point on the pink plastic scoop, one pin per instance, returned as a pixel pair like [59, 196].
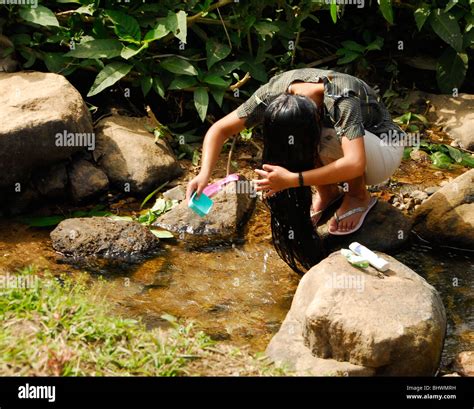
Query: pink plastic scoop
[214, 188]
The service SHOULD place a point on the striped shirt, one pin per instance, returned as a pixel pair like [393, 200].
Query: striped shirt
[350, 105]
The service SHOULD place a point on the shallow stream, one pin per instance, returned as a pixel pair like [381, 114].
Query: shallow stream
[239, 293]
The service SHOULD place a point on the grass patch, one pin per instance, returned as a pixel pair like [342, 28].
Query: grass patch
[57, 326]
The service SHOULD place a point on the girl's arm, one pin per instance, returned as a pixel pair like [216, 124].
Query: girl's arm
[350, 166]
[215, 137]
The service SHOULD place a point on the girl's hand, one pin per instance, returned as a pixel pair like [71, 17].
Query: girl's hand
[274, 179]
[197, 184]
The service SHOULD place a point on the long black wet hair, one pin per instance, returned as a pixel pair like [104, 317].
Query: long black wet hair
[291, 134]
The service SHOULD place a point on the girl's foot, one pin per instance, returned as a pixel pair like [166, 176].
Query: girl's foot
[349, 202]
[325, 196]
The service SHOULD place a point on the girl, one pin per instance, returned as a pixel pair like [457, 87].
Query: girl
[359, 143]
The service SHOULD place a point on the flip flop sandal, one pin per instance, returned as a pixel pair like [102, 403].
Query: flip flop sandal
[363, 210]
[316, 216]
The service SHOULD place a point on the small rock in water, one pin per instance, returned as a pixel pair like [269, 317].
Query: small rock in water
[231, 208]
[84, 239]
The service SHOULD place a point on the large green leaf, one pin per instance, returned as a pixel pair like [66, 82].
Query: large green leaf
[177, 24]
[441, 160]
[218, 95]
[216, 80]
[183, 82]
[421, 15]
[97, 49]
[455, 154]
[353, 46]
[109, 76]
[451, 70]
[125, 26]
[132, 50]
[40, 15]
[447, 28]
[227, 67]
[158, 32]
[159, 87]
[376, 44]
[348, 57]
[146, 83]
[257, 71]
[178, 66]
[58, 63]
[182, 31]
[201, 102]
[216, 52]
[386, 9]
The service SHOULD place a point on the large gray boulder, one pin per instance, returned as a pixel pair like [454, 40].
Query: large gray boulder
[345, 320]
[447, 216]
[231, 208]
[82, 239]
[43, 120]
[385, 229]
[131, 157]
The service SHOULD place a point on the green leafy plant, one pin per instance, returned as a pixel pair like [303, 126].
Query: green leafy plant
[352, 51]
[454, 24]
[411, 122]
[443, 156]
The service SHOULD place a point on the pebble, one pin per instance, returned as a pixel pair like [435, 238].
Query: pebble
[455, 143]
[419, 155]
[419, 196]
[438, 173]
[444, 183]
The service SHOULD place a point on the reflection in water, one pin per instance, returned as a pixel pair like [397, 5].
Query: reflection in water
[239, 293]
